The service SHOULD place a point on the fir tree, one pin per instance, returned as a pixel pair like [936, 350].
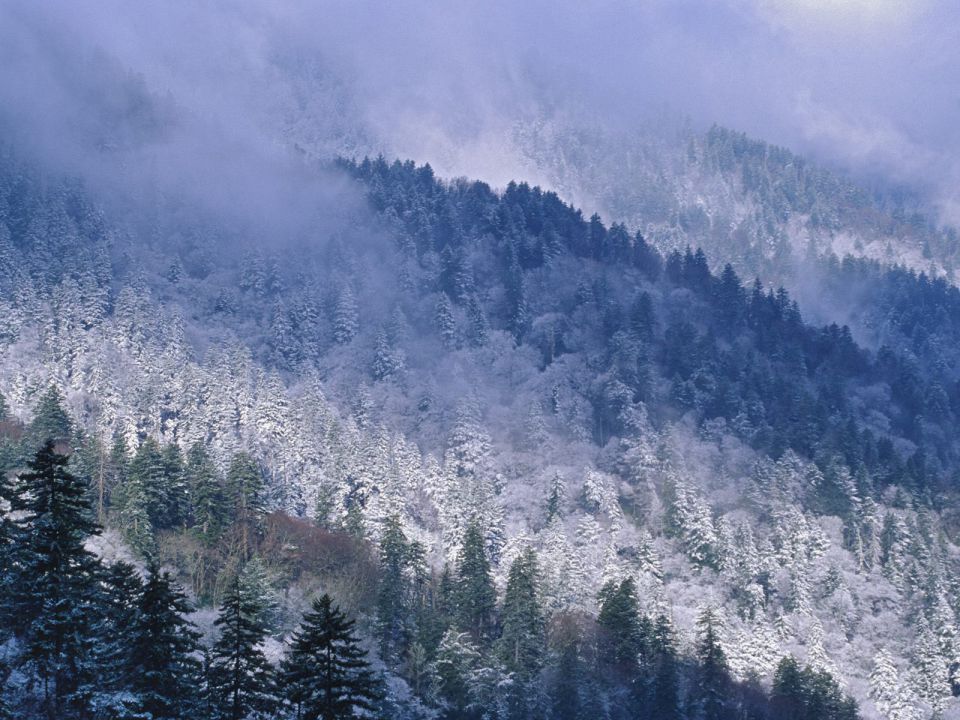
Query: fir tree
[325, 675]
[445, 322]
[50, 419]
[664, 701]
[475, 594]
[149, 475]
[522, 641]
[393, 612]
[241, 678]
[557, 497]
[713, 673]
[210, 511]
[55, 582]
[345, 317]
[245, 492]
[456, 669]
[120, 592]
[621, 632]
[165, 669]
[132, 516]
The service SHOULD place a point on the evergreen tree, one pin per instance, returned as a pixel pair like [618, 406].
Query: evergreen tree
[569, 672]
[164, 649]
[393, 611]
[120, 592]
[55, 582]
[325, 675]
[241, 678]
[7, 538]
[345, 316]
[445, 322]
[50, 420]
[557, 497]
[245, 491]
[808, 694]
[456, 669]
[713, 673]
[522, 641]
[210, 512]
[177, 489]
[665, 701]
[475, 594]
[132, 515]
[149, 475]
[621, 631]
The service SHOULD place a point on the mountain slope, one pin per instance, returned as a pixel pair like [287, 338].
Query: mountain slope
[454, 355]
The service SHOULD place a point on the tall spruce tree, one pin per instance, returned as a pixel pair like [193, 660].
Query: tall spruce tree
[522, 642]
[149, 483]
[713, 672]
[393, 607]
[241, 678]
[164, 648]
[325, 676]
[50, 420]
[621, 629]
[210, 512]
[7, 538]
[664, 692]
[245, 494]
[475, 595]
[119, 596]
[54, 598]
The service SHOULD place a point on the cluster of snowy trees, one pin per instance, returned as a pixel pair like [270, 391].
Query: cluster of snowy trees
[86, 639]
[765, 210]
[524, 435]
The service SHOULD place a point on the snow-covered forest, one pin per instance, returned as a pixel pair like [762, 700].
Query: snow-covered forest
[550, 470]
[469, 366]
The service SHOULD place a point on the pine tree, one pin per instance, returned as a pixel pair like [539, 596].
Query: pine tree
[245, 492]
[445, 322]
[149, 475]
[557, 497]
[475, 594]
[621, 631]
[713, 673]
[456, 669]
[119, 598]
[55, 581]
[165, 669]
[241, 678]
[50, 419]
[7, 538]
[256, 586]
[345, 317]
[132, 516]
[210, 512]
[664, 701]
[569, 674]
[325, 675]
[393, 611]
[522, 641]
[388, 361]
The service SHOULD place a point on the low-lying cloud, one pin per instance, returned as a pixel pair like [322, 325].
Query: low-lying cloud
[229, 97]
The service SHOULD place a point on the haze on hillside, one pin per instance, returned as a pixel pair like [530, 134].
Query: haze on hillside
[866, 86]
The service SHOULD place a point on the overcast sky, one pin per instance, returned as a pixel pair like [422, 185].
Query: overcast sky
[221, 87]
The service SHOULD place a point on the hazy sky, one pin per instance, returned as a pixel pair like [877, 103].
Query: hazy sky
[223, 88]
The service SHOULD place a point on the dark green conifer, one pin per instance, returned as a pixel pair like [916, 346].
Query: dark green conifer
[325, 676]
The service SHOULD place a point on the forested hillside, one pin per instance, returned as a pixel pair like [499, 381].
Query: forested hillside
[762, 208]
[550, 471]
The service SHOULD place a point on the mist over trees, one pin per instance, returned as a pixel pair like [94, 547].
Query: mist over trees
[507, 460]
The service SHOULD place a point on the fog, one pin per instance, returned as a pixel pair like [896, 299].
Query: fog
[228, 99]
